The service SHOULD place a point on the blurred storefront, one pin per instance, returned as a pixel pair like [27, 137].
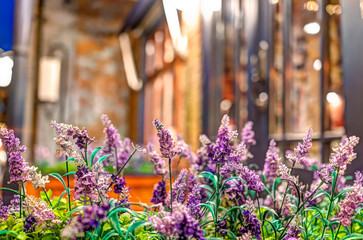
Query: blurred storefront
[284, 64]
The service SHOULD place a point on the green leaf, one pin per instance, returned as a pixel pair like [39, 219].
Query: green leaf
[79, 208]
[59, 177]
[230, 179]
[9, 190]
[103, 158]
[117, 210]
[136, 225]
[297, 190]
[343, 192]
[270, 210]
[8, 232]
[210, 209]
[94, 154]
[353, 236]
[206, 187]
[210, 176]
[115, 224]
[60, 198]
[320, 193]
[70, 159]
[273, 227]
[69, 173]
[110, 234]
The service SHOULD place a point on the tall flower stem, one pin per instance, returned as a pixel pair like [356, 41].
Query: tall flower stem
[116, 160]
[21, 198]
[334, 181]
[69, 196]
[171, 187]
[336, 235]
[298, 210]
[262, 220]
[119, 171]
[217, 200]
[45, 192]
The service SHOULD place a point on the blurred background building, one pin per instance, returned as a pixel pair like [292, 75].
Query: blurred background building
[284, 64]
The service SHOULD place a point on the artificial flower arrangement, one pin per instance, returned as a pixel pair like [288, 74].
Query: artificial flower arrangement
[218, 197]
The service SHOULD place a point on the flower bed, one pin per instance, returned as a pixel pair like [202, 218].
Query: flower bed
[218, 197]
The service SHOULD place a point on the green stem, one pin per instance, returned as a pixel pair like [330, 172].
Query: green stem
[298, 210]
[85, 155]
[69, 195]
[217, 201]
[259, 211]
[21, 199]
[331, 200]
[118, 173]
[283, 199]
[47, 197]
[99, 193]
[336, 235]
[116, 160]
[171, 187]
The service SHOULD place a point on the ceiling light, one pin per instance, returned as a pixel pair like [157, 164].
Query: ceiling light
[312, 28]
[6, 70]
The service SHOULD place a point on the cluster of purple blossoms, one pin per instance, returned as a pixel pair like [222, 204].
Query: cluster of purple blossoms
[85, 185]
[29, 224]
[351, 202]
[4, 211]
[252, 179]
[166, 142]
[247, 134]
[92, 216]
[159, 194]
[344, 154]
[272, 161]
[179, 188]
[293, 233]
[39, 209]
[194, 199]
[18, 166]
[301, 151]
[179, 224]
[236, 192]
[114, 145]
[157, 161]
[221, 149]
[120, 184]
[251, 225]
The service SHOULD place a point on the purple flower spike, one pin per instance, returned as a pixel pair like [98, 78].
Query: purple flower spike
[344, 154]
[293, 233]
[157, 161]
[248, 134]
[18, 166]
[166, 142]
[194, 199]
[251, 225]
[302, 150]
[271, 167]
[159, 194]
[179, 187]
[85, 184]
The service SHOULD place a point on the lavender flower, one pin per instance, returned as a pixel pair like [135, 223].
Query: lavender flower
[40, 209]
[179, 187]
[177, 225]
[159, 194]
[302, 150]
[293, 233]
[157, 161]
[194, 199]
[271, 167]
[29, 225]
[166, 142]
[252, 179]
[344, 154]
[351, 202]
[120, 184]
[85, 184]
[235, 192]
[248, 134]
[18, 166]
[251, 225]
[93, 215]
[113, 139]
[220, 151]
[4, 211]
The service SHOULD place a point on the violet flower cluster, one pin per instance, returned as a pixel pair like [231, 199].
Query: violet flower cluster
[272, 162]
[301, 152]
[18, 166]
[159, 194]
[157, 161]
[179, 224]
[179, 188]
[85, 185]
[251, 225]
[166, 142]
[352, 201]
